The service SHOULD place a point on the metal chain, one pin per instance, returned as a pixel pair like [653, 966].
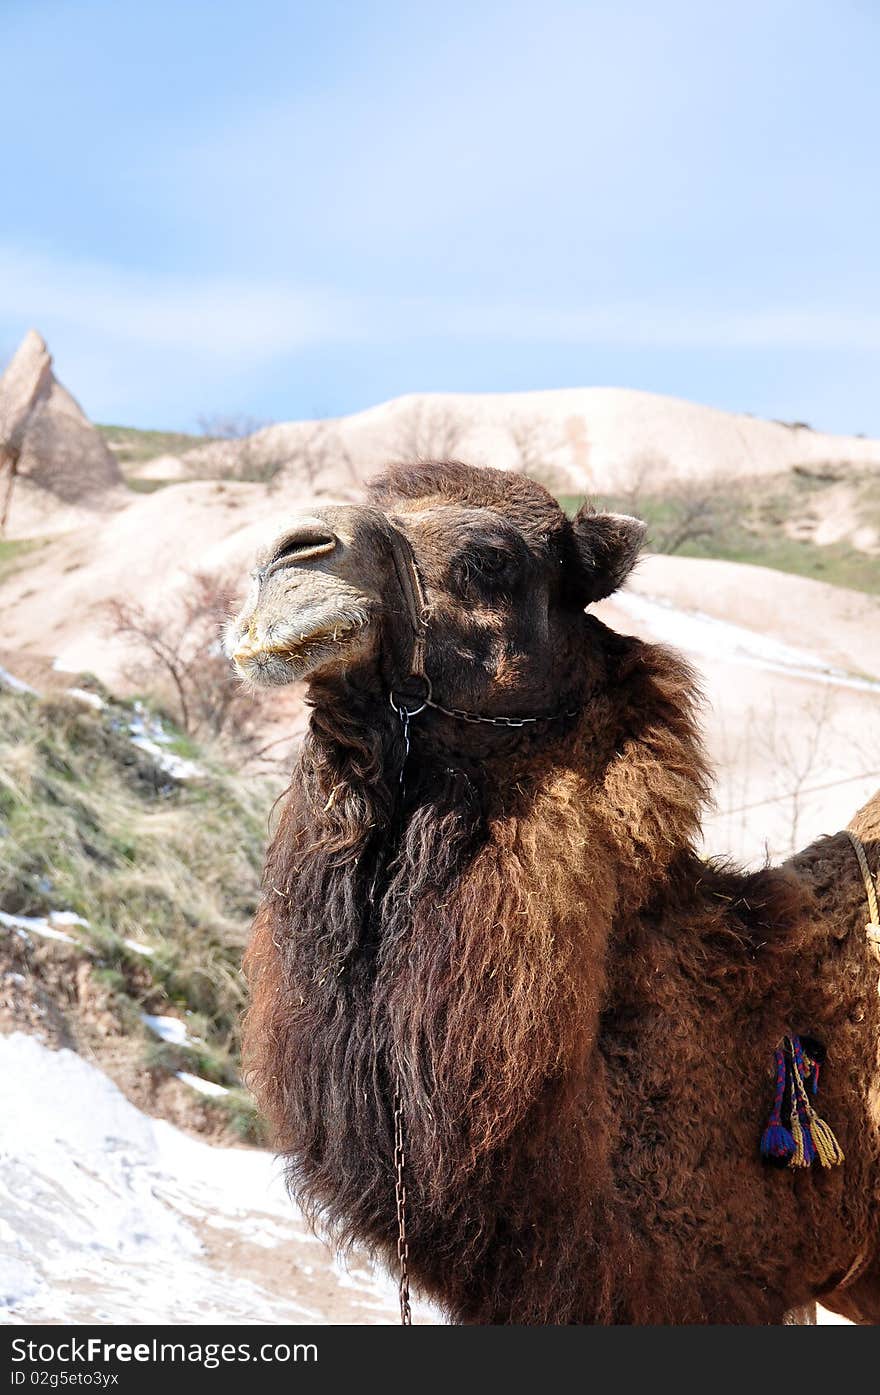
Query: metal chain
[464, 716]
[406, 713]
[400, 1191]
[404, 722]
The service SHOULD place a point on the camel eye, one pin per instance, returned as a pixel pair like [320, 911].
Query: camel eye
[494, 563]
[485, 570]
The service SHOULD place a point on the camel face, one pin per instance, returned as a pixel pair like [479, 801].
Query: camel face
[315, 596]
[501, 573]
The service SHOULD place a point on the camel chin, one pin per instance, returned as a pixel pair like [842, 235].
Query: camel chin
[270, 666]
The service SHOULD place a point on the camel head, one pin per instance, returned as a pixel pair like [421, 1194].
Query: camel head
[485, 558]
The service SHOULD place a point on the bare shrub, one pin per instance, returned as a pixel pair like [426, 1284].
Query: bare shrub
[430, 431]
[699, 511]
[320, 457]
[681, 511]
[804, 757]
[180, 653]
[229, 426]
[536, 441]
[315, 454]
[243, 455]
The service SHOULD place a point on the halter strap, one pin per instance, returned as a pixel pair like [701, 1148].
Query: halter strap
[413, 591]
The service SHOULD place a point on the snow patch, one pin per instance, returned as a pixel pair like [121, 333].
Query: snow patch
[724, 641]
[170, 1029]
[27, 925]
[139, 948]
[169, 763]
[204, 1087]
[112, 1217]
[90, 699]
[18, 685]
[149, 735]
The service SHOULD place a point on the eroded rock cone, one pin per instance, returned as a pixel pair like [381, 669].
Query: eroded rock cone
[46, 439]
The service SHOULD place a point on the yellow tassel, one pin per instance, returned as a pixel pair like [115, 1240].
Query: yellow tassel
[828, 1150]
[798, 1158]
[822, 1142]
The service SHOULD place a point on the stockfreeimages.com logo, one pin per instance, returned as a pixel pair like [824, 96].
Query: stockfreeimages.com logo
[95, 1351]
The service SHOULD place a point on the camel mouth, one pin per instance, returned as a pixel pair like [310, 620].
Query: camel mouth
[291, 657]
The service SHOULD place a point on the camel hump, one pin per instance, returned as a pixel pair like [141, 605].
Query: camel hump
[866, 823]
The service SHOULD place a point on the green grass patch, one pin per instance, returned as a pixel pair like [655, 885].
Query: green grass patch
[132, 446]
[89, 824]
[749, 522]
[14, 551]
[836, 563]
[138, 486]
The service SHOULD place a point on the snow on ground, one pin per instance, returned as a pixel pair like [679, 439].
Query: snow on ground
[139, 948]
[90, 699]
[169, 1029]
[148, 734]
[203, 1087]
[109, 1216]
[715, 639]
[27, 925]
[9, 680]
[791, 712]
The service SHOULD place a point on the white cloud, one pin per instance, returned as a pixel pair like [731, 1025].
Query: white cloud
[259, 320]
[204, 315]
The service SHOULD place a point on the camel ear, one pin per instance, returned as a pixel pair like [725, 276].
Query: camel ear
[608, 545]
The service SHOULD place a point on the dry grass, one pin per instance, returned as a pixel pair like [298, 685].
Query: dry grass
[89, 823]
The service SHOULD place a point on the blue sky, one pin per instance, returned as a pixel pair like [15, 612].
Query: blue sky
[295, 209]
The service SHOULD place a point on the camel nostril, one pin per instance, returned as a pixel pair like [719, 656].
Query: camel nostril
[305, 541]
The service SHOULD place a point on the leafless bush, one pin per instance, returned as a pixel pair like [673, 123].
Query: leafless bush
[793, 760]
[799, 762]
[430, 431]
[180, 654]
[536, 442]
[242, 454]
[321, 458]
[679, 511]
[699, 510]
[229, 426]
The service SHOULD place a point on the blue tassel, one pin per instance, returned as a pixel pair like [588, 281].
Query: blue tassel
[777, 1143]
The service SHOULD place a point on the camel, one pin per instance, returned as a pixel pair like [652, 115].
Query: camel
[489, 953]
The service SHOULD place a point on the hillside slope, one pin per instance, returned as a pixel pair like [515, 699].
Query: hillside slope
[583, 439]
[128, 878]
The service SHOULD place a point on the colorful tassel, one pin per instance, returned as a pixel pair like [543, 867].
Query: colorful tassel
[807, 1137]
[776, 1140]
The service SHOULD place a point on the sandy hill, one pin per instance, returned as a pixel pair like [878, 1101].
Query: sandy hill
[597, 440]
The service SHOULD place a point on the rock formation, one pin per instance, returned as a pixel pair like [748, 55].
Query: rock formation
[46, 440]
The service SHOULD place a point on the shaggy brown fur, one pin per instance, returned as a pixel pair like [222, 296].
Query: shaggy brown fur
[582, 1012]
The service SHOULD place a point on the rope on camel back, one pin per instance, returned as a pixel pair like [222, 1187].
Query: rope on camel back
[872, 929]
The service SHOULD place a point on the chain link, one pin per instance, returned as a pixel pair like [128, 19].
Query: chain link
[400, 1191]
[464, 716]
